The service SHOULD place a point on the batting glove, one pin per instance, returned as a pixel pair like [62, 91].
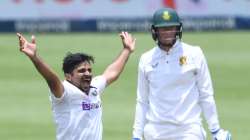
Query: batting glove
[135, 139]
[221, 135]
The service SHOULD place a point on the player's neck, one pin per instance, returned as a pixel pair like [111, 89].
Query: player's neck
[165, 48]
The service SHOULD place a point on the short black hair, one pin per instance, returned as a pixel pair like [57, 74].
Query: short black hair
[72, 60]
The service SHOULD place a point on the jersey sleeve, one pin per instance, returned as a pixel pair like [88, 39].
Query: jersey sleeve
[99, 82]
[206, 93]
[56, 100]
[142, 103]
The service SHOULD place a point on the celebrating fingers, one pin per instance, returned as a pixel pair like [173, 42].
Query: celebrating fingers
[28, 48]
[128, 41]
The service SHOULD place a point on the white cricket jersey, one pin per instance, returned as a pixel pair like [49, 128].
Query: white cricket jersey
[78, 116]
[174, 88]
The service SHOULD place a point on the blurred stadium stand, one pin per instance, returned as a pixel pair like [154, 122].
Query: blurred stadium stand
[117, 15]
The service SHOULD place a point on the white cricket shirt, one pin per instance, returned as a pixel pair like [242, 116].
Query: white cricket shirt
[174, 88]
[79, 116]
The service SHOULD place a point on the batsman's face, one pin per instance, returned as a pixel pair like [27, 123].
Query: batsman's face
[81, 76]
[167, 35]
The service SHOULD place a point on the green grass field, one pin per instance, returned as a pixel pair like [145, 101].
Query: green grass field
[24, 103]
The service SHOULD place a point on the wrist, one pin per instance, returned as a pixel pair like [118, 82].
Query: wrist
[127, 49]
[34, 57]
[214, 127]
[215, 131]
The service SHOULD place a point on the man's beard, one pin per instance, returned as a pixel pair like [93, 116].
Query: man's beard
[168, 44]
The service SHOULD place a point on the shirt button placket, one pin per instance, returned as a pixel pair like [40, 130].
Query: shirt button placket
[167, 58]
[167, 62]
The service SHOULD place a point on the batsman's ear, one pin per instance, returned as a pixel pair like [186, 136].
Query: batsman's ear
[153, 31]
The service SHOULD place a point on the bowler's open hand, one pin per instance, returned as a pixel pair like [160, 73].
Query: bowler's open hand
[128, 41]
[26, 47]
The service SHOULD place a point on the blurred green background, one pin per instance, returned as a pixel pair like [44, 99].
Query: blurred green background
[24, 103]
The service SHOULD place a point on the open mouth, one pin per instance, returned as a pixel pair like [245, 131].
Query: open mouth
[85, 84]
[87, 79]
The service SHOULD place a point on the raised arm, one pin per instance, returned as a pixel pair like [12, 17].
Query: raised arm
[113, 71]
[48, 74]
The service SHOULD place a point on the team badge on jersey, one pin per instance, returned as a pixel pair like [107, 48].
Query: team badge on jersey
[183, 60]
[94, 93]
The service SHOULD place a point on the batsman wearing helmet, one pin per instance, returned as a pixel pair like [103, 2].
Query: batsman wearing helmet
[174, 87]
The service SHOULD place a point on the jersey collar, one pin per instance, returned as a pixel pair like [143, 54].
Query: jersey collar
[171, 50]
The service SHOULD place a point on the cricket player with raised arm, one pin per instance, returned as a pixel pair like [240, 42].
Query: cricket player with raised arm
[174, 87]
[76, 101]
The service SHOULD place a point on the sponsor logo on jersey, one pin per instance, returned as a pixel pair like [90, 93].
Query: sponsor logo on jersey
[90, 106]
[155, 65]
